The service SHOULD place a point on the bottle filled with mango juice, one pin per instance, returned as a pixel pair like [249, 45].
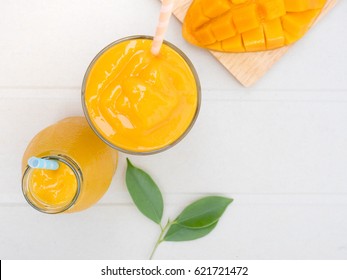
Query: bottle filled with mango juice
[85, 169]
[139, 103]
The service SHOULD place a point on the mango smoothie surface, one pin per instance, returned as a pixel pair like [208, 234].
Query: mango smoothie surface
[54, 187]
[137, 102]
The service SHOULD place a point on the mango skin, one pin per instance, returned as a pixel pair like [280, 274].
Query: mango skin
[249, 25]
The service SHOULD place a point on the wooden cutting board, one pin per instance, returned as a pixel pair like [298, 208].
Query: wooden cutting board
[247, 68]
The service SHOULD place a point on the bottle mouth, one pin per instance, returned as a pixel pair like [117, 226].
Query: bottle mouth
[155, 150]
[45, 207]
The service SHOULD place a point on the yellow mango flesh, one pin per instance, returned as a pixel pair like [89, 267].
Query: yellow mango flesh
[301, 6]
[249, 25]
[254, 39]
[274, 35]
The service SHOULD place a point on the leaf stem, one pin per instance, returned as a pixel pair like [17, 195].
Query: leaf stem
[160, 238]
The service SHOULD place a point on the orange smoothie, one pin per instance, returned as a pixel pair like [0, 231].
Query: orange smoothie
[53, 187]
[137, 102]
[86, 167]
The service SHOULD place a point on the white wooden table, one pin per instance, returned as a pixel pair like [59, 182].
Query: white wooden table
[279, 148]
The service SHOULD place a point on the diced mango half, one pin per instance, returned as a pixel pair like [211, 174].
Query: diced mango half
[249, 25]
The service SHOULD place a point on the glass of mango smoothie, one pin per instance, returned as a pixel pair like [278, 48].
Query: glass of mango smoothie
[139, 103]
[85, 167]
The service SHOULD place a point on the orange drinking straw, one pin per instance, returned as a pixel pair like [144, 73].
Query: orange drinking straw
[164, 18]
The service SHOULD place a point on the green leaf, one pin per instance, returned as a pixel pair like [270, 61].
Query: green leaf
[181, 233]
[144, 192]
[203, 212]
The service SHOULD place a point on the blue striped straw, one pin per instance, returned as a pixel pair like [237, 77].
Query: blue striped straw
[41, 163]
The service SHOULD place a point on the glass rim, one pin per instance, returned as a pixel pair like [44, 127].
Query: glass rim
[46, 209]
[166, 147]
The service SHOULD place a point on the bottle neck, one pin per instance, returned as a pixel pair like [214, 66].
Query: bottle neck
[51, 208]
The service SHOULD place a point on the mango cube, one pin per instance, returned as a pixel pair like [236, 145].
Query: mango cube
[246, 18]
[234, 43]
[272, 9]
[205, 36]
[214, 9]
[274, 35]
[223, 27]
[254, 40]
